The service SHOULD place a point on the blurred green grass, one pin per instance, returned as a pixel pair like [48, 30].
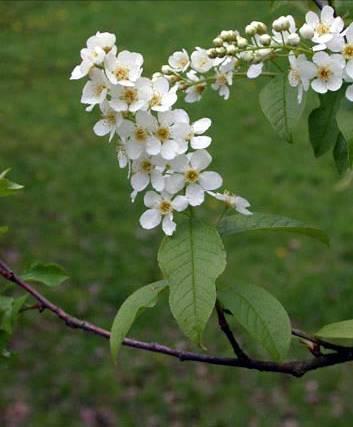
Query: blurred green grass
[76, 211]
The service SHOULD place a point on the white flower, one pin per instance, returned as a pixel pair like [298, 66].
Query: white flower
[126, 98]
[300, 74]
[238, 203]
[195, 91]
[162, 97]
[145, 170]
[105, 41]
[161, 209]
[179, 61]
[224, 79]
[95, 90]
[189, 171]
[347, 50]
[94, 54]
[124, 69]
[200, 61]
[326, 28]
[349, 93]
[121, 156]
[109, 122]
[329, 72]
[193, 132]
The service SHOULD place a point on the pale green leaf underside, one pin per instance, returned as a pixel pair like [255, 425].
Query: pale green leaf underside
[338, 332]
[192, 260]
[266, 222]
[145, 297]
[279, 103]
[7, 187]
[262, 315]
[48, 274]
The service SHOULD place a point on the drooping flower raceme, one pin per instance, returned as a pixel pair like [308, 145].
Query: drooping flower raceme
[162, 148]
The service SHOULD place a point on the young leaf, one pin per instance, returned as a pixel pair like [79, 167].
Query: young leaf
[191, 260]
[145, 297]
[338, 332]
[279, 103]
[342, 154]
[7, 187]
[48, 274]
[261, 315]
[9, 309]
[265, 222]
[323, 130]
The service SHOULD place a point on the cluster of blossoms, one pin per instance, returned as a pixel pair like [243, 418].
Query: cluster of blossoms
[161, 147]
[320, 55]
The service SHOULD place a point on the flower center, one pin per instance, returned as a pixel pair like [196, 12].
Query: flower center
[183, 62]
[146, 166]
[200, 88]
[191, 175]
[99, 89]
[121, 73]
[222, 80]
[110, 118]
[140, 134]
[322, 29]
[324, 73]
[129, 95]
[348, 51]
[156, 99]
[163, 134]
[107, 49]
[165, 207]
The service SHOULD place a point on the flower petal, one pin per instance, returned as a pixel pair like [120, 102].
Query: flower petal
[139, 181]
[168, 225]
[198, 142]
[210, 180]
[195, 194]
[180, 203]
[150, 219]
[200, 159]
[200, 126]
[151, 199]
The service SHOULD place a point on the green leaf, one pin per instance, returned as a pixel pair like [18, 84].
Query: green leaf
[145, 297]
[323, 130]
[9, 309]
[7, 187]
[344, 120]
[191, 260]
[49, 274]
[342, 154]
[266, 222]
[339, 332]
[279, 103]
[261, 315]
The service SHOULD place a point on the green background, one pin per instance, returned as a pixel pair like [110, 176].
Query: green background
[76, 211]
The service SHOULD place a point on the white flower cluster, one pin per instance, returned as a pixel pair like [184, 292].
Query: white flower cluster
[324, 65]
[162, 148]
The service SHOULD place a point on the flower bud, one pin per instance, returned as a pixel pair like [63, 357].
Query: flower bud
[260, 27]
[212, 53]
[218, 42]
[250, 30]
[224, 34]
[265, 39]
[231, 50]
[285, 23]
[156, 75]
[221, 51]
[306, 32]
[242, 42]
[293, 39]
[247, 56]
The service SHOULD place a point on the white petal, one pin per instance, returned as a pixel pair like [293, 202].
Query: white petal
[180, 203]
[161, 85]
[168, 225]
[349, 68]
[139, 181]
[150, 219]
[334, 83]
[169, 150]
[102, 127]
[179, 164]
[254, 70]
[198, 142]
[200, 126]
[210, 180]
[152, 199]
[153, 146]
[319, 86]
[134, 150]
[349, 93]
[327, 14]
[312, 19]
[174, 183]
[157, 180]
[200, 159]
[195, 194]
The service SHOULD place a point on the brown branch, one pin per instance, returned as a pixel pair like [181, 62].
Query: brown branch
[295, 368]
[223, 324]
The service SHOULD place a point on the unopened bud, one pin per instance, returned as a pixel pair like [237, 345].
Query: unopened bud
[218, 42]
[265, 39]
[306, 32]
[260, 27]
[293, 39]
[250, 30]
[221, 51]
[242, 42]
[212, 53]
[166, 69]
[247, 56]
[231, 50]
[223, 35]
